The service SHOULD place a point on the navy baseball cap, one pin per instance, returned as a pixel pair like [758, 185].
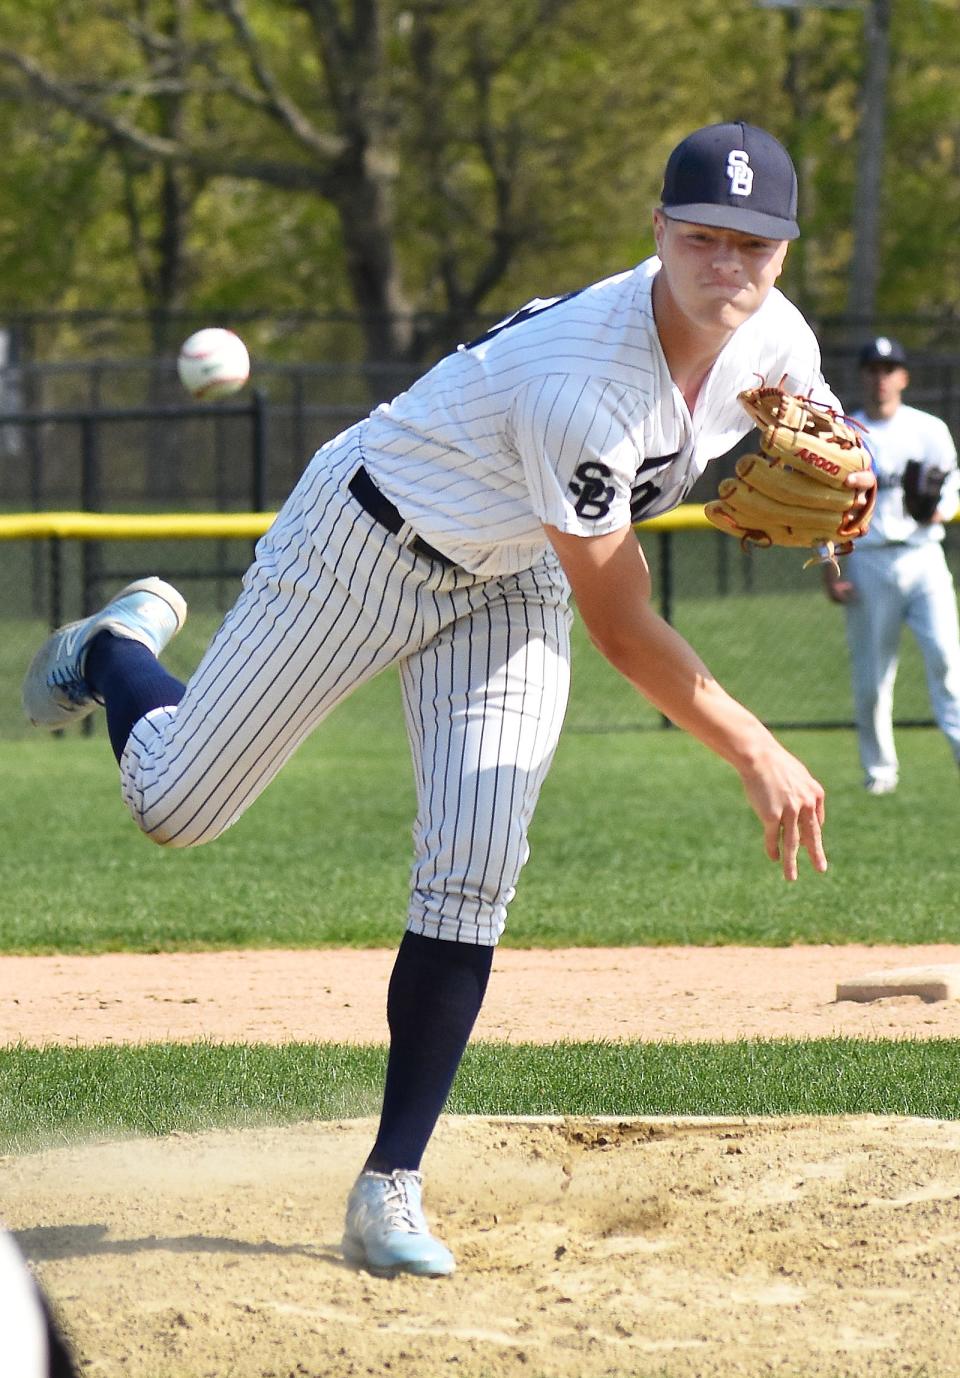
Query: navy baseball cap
[883, 350]
[734, 177]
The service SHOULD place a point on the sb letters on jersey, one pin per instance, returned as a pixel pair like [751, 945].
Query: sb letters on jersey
[594, 493]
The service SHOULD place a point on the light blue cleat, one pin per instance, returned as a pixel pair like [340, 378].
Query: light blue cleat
[386, 1231]
[55, 692]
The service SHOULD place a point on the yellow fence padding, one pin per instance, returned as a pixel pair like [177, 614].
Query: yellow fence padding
[134, 526]
[187, 526]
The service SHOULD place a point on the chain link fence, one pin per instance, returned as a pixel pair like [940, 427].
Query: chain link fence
[117, 435]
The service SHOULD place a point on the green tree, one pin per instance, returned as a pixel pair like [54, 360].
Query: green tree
[419, 162]
[442, 156]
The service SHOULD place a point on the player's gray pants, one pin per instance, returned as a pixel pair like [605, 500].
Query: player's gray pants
[896, 585]
[331, 600]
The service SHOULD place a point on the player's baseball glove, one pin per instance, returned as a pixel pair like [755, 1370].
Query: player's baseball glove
[922, 486]
[793, 494]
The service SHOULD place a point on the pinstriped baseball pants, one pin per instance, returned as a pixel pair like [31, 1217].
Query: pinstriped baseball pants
[331, 600]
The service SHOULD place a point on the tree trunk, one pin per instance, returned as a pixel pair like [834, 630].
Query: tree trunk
[865, 268]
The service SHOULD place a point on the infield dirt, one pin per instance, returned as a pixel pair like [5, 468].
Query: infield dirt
[821, 1248]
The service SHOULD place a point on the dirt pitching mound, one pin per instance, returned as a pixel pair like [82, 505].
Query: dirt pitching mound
[680, 1249]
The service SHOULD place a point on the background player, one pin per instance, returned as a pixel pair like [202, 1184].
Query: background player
[443, 535]
[897, 573]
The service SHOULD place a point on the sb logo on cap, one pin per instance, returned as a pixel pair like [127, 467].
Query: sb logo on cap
[740, 172]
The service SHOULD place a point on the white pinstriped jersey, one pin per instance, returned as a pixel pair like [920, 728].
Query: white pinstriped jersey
[566, 414]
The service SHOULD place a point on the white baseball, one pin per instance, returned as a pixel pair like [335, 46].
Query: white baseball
[213, 363]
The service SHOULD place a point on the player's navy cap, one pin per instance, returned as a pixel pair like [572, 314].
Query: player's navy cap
[883, 350]
[735, 177]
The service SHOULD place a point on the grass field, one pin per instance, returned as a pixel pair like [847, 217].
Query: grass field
[642, 837]
[51, 1095]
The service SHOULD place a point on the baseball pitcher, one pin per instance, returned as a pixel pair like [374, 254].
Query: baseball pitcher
[444, 536]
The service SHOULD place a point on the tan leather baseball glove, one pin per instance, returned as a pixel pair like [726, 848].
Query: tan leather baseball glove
[794, 493]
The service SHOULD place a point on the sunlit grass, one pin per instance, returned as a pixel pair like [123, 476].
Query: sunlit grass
[58, 1095]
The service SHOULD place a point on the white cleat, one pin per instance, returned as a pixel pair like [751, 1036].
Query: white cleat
[386, 1231]
[55, 692]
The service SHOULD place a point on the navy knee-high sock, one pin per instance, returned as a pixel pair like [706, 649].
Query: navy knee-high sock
[130, 680]
[433, 1000]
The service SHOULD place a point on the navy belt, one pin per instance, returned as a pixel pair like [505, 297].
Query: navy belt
[382, 510]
